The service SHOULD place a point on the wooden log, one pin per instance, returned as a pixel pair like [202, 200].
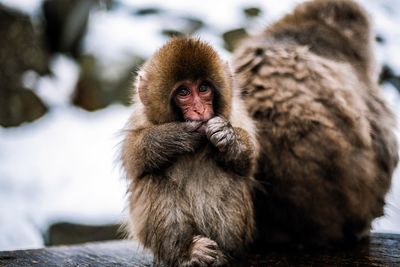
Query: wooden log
[64, 233]
[379, 250]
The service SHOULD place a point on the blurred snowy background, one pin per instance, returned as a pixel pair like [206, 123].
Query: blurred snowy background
[66, 71]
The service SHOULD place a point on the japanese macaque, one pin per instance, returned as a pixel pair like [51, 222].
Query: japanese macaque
[189, 153]
[325, 133]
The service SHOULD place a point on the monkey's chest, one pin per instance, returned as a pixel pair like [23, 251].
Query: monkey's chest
[198, 177]
[198, 170]
[205, 190]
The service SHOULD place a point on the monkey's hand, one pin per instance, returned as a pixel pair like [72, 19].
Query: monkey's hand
[154, 148]
[234, 145]
[221, 134]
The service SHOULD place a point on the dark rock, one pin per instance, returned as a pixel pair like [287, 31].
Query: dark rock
[193, 25]
[233, 37]
[20, 106]
[66, 24]
[148, 11]
[108, 4]
[387, 75]
[189, 26]
[123, 87]
[87, 95]
[69, 233]
[94, 91]
[379, 39]
[171, 33]
[252, 12]
[21, 49]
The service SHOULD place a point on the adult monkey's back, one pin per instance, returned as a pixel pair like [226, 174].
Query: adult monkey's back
[327, 146]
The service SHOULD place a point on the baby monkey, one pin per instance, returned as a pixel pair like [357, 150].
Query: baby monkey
[189, 153]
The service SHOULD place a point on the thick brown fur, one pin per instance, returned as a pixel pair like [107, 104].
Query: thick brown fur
[189, 203]
[177, 61]
[327, 146]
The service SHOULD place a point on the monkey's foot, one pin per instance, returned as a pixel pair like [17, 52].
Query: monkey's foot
[205, 252]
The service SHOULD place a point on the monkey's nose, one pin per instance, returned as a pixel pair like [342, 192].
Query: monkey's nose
[199, 109]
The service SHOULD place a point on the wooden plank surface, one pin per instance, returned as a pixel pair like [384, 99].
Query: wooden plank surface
[380, 250]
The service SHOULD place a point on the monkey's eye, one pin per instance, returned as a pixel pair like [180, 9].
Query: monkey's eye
[203, 88]
[183, 91]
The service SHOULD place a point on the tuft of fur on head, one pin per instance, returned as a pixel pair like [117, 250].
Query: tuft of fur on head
[339, 29]
[345, 16]
[182, 58]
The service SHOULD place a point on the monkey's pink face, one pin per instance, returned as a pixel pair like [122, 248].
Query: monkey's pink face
[195, 99]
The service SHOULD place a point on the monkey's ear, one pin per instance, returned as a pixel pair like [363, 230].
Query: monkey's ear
[141, 86]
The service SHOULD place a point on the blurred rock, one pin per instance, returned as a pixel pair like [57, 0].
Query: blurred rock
[252, 12]
[21, 49]
[193, 25]
[24, 106]
[124, 87]
[171, 33]
[233, 37]
[95, 90]
[148, 11]
[187, 26]
[387, 75]
[66, 24]
[69, 233]
[87, 92]
[107, 4]
[379, 39]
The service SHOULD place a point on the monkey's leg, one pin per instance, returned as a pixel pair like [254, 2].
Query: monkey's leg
[163, 221]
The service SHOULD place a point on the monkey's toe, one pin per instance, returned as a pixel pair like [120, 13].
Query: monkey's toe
[205, 252]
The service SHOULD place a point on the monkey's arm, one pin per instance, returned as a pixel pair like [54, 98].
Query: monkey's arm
[236, 151]
[151, 149]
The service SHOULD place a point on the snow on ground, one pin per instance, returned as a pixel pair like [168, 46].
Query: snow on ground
[61, 167]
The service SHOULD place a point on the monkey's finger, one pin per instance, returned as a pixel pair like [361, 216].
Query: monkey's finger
[203, 252]
[208, 259]
[216, 119]
[218, 140]
[217, 124]
[214, 129]
[218, 137]
[212, 245]
[211, 132]
[193, 126]
[203, 258]
[226, 137]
